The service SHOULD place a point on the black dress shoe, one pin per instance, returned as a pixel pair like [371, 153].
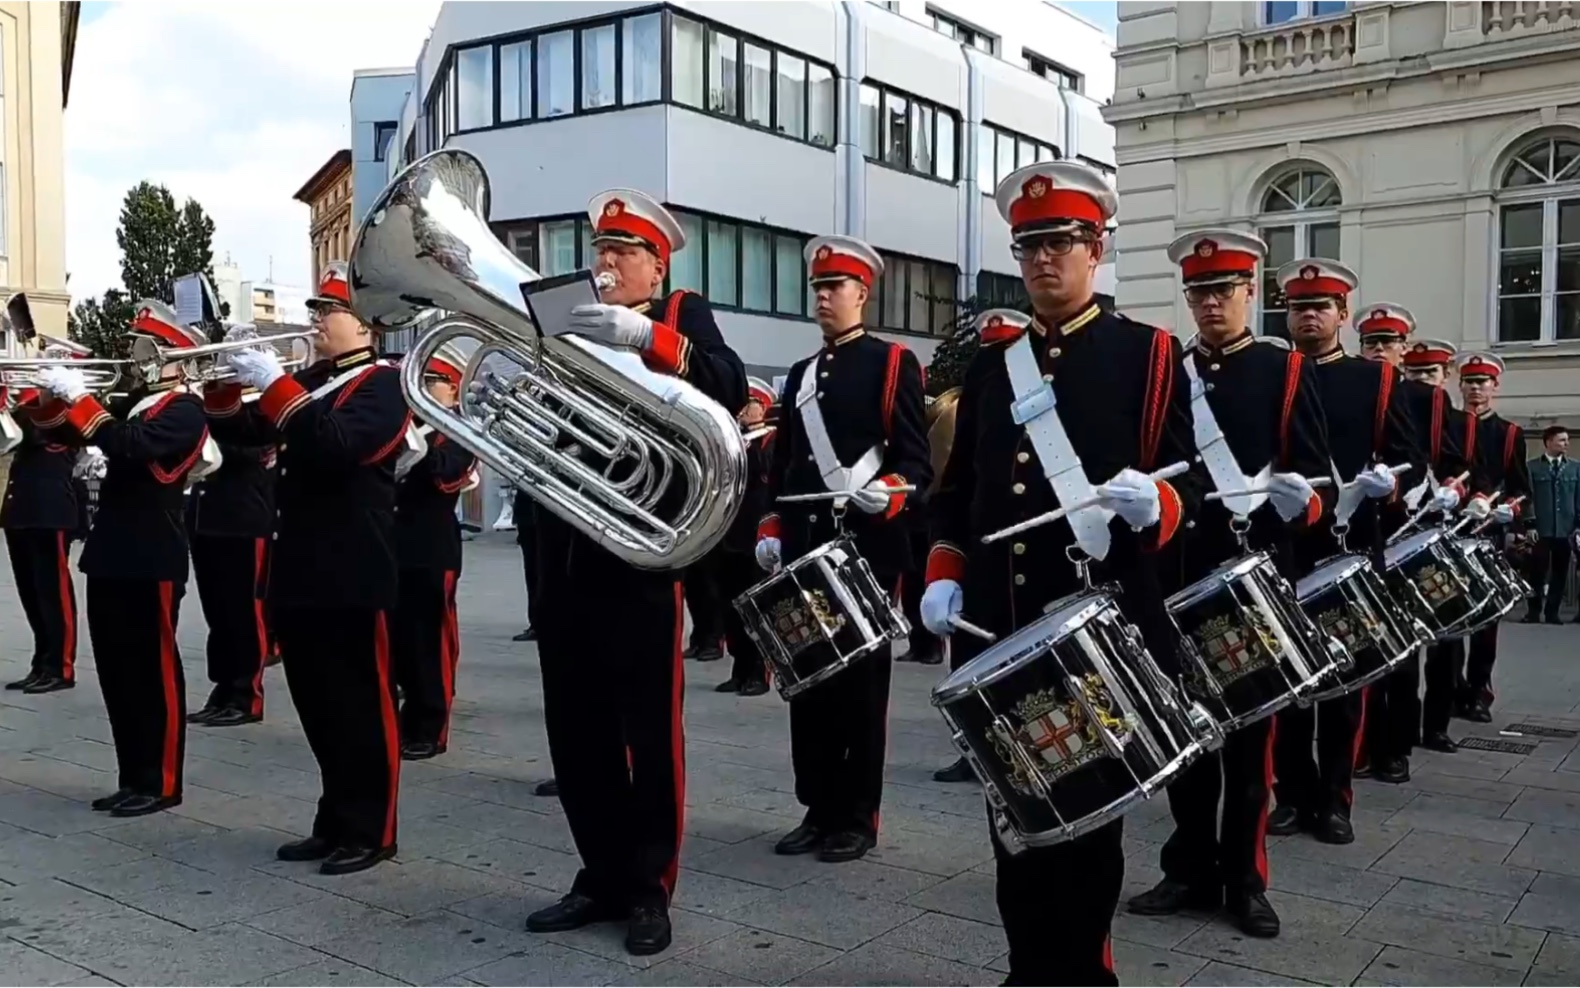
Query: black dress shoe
[1479, 712]
[416, 751]
[1363, 770]
[1254, 915]
[307, 849]
[232, 717]
[48, 684]
[959, 771]
[529, 635]
[1440, 741]
[802, 840]
[1283, 821]
[707, 653]
[1334, 827]
[348, 860]
[202, 716]
[847, 845]
[572, 913]
[1552, 619]
[1169, 897]
[1531, 619]
[649, 931]
[25, 681]
[548, 787]
[105, 804]
[929, 653]
[731, 685]
[142, 804]
[1394, 770]
[754, 687]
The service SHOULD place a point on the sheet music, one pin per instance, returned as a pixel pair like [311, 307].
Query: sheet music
[550, 300]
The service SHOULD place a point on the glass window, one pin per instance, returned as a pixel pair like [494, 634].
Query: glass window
[1279, 11]
[892, 286]
[922, 138]
[557, 74]
[821, 93]
[723, 255]
[475, 75]
[987, 178]
[944, 156]
[723, 69]
[685, 266]
[515, 81]
[759, 85]
[757, 269]
[919, 305]
[1006, 157]
[789, 282]
[383, 137]
[869, 121]
[557, 247]
[945, 309]
[1538, 264]
[686, 80]
[791, 96]
[895, 111]
[642, 59]
[598, 67]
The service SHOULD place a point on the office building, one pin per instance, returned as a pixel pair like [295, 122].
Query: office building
[377, 98]
[328, 195]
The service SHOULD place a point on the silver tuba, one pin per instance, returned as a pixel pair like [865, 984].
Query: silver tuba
[642, 463]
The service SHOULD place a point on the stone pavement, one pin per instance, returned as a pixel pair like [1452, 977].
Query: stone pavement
[1468, 875]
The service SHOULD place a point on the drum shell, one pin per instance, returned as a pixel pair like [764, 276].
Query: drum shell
[1430, 576]
[1490, 563]
[1353, 606]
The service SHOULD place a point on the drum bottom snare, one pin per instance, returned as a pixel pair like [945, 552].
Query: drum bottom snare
[1069, 723]
[1346, 599]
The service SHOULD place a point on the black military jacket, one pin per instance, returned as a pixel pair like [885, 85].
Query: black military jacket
[427, 533]
[870, 394]
[1265, 400]
[1124, 403]
[1500, 451]
[333, 538]
[742, 536]
[137, 532]
[237, 500]
[1438, 431]
[39, 492]
[688, 344]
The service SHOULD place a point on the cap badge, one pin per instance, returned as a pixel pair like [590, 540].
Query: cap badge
[1420, 348]
[613, 208]
[1379, 313]
[1037, 187]
[824, 253]
[1308, 273]
[1206, 248]
[146, 314]
[994, 322]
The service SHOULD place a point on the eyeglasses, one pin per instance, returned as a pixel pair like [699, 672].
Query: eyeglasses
[1055, 244]
[1223, 290]
[319, 312]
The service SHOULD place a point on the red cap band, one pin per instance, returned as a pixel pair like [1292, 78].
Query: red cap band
[832, 263]
[1200, 265]
[617, 219]
[1040, 201]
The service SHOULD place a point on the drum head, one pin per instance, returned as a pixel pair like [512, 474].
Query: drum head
[1209, 584]
[1008, 654]
[1410, 546]
[1329, 573]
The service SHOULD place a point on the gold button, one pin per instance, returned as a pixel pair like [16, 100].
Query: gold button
[810, 458]
[1047, 379]
[1019, 488]
[1054, 351]
[1019, 548]
[820, 396]
[1022, 457]
[825, 374]
[1214, 367]
[1020, 579]
[828, 356]
[812, 518]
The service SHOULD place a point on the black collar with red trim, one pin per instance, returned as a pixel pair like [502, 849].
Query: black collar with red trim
[855, 332]
[1240, 342]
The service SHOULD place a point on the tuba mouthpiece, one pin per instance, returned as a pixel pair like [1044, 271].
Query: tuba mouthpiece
[606, 281]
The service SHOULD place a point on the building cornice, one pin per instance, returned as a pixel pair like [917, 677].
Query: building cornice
[70, 19]
[338, 164]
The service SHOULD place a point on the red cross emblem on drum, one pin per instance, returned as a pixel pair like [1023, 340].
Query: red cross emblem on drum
[1436, 585]
[1206, 248]
[1055, 737]
[1230, 651]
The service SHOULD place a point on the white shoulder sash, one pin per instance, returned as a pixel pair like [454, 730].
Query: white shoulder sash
[1214, 448]
[836, 476]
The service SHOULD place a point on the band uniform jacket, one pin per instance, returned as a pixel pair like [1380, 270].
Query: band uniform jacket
[1368, 423]
[870, 394]
[742, 536]
[1500, 452]
[1440, 431]
[427, 533]
[1264, 398]
[150, 443]
[1124, 403]
[333, 543]
[40, 492]
[237, 500]
[687, 343]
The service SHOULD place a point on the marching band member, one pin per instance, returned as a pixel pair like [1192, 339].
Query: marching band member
[427, 638]
[1257, 407]
[1500, 449]
[609, 634]
[1369, 430]
[338, 425]
[135, 559]
[857, 425]
[733, 562]
[1124, 411]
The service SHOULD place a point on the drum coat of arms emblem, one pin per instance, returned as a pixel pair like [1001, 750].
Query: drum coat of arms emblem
[1056, 732]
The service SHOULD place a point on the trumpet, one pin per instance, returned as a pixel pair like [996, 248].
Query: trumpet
[210, 364]
[100, 376]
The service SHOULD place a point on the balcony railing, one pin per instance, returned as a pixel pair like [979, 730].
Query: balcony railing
[1502, 21]
[1298, 49]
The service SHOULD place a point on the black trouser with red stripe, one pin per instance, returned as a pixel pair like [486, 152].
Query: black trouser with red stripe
[41, 569]
[839, 732]
[1393, 712]
[427, 647]
[734, 573]
[1234, 858]
[228, 569]
[1325, 782]
[132, 624]
[1057, 905]
[1444, 660]
[1475, 683]
[609, 644]
[337, 666]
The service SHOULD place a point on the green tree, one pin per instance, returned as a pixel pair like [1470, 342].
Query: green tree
[950, 360]
[101, 324]
[160, 243]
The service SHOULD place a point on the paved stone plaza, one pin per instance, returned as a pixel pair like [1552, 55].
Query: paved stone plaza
[1468, 875]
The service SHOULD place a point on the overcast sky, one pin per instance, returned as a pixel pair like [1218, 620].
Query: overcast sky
[235, 104]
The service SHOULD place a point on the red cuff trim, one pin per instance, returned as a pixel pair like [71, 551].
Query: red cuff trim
[896, 500]
[86, 415]
[1170, 511]
[1314, 509]
[221, 400]
[670, 352]
[768, 527]
[1457, 486]
[946, 562]
[281, 399]
[46, 413]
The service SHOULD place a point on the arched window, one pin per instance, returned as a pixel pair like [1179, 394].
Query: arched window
[1539, 243]
[1299, 219]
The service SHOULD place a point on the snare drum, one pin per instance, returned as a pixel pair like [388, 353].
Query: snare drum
[1348, 600]
[1430, 577]
[1248, 649]
[1069, 723]
[818, 615]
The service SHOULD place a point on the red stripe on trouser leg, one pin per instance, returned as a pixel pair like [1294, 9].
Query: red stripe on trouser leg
[449, 654]
[381, 659]
[677, 738]
[68, 610]
[170, 756]
[260, 626]
[1261, 818]
[1355, 751]
[1108, 954]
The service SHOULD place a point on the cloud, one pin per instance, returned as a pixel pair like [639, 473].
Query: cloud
[233, 104]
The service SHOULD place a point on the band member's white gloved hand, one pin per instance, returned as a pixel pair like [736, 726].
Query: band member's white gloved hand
[941, 601]
[1133, 496]
[872, 499]
[614, 325]
[66, 383]
[1290, 493]
[1478, 508]
[1445, 499]
[768, 554]
[256, 368]
[1376, 482]
[1503, 514]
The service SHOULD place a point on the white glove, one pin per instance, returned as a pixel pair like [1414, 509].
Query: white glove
[941, 601]
[256, 368]
[768, 554]
[63, 382]
[1445, 499]
[1477, 508]
[1290, 493]
[1133, 496]
[1376, 482]
[1503, 514]
[872, 499]
[614, 325]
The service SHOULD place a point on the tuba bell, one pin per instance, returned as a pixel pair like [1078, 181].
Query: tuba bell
[642, 463]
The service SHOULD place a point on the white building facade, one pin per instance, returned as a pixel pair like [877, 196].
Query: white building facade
[1432, 147]
[762, 125]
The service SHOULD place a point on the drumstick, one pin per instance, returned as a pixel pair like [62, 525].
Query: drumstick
[758, 433]
[836, 495]
[1425, 509]
[969, 628]
[1048, 517]
[1315, 482]
[1513, 502]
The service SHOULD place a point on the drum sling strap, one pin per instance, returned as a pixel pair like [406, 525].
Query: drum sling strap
[413, 446]
[837, 476]
[1350, 496]
[1412, 498]
[1215, 452]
